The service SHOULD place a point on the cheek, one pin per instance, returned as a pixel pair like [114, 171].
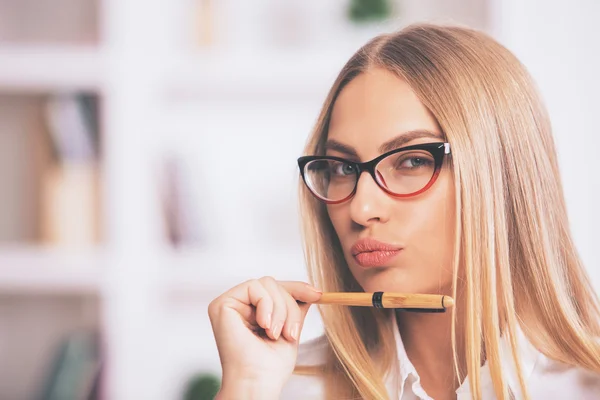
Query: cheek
[430, 231]
[425, 225]
[431, 220]
[339, 214]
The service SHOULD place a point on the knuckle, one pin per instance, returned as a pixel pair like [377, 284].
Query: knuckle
[268, 280]
[255, 285]
[213, 308]
[252, 282]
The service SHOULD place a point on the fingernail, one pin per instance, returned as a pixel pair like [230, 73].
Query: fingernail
[268, 320]
[315, 289]
[276, 330]
[295, 330]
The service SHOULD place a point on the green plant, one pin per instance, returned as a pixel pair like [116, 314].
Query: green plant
[204, 386]
[361, 11]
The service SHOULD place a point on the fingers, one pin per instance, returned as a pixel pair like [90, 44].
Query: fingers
[302, 291]
[250, 293]
[272, 304]
[280, 308]
[288, 315]
[293, 323]
[306, 295]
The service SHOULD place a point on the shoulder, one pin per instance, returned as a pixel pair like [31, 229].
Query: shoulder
[554, 379]
[307, 386]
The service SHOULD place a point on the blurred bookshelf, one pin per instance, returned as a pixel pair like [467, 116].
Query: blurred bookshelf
[227, 269]
[36, 270]
[116, 226]
[52, 265]
[270, 74]
[48, 68]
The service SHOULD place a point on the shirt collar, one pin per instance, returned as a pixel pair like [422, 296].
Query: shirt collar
[528, 356]
[409, 375]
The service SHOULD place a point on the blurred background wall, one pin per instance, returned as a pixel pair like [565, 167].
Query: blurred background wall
[147, 163]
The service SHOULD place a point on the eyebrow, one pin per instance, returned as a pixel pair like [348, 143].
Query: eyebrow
[390, 145]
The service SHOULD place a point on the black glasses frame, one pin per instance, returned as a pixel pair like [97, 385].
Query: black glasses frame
[438, 150]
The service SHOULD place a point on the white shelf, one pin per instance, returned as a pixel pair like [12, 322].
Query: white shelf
[203, 274]
[226, 76]
[50, 68]
[33, 270]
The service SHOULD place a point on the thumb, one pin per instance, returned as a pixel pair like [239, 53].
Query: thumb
[303, 293]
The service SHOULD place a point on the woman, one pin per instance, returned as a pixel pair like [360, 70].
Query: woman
[463, 198]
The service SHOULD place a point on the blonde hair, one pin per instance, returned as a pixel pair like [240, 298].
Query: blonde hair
[519, 263]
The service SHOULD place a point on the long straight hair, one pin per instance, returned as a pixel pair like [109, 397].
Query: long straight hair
[513, 244]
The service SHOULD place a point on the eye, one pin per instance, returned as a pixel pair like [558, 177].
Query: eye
[343, 169]
[414, 162]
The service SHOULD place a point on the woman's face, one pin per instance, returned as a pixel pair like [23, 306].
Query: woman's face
[373, 110]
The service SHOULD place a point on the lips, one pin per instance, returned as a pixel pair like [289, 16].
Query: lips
[371, 253]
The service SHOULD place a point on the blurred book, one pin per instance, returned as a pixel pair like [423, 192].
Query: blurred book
[70, 186]
[49, 22]
[204, 24]
[75, 370]
[70, 199]
[24, 152]
[181, 222]
[70, 122]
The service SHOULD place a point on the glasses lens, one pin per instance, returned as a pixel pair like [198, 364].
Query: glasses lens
[406, 172]
[329, 179]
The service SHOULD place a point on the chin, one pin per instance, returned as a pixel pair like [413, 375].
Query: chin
[392, 280]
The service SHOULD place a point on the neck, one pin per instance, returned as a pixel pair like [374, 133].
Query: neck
[428, 343]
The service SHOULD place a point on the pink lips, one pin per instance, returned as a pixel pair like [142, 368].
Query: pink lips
[370, 253]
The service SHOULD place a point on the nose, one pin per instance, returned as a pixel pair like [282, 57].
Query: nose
[370, 204]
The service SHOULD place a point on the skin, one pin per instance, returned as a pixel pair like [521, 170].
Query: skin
[257, 323]
[373, 109]
[257, 326]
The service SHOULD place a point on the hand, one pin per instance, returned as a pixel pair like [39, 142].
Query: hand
[257, 325]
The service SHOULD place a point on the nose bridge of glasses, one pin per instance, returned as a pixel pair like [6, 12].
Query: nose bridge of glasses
[371, 168]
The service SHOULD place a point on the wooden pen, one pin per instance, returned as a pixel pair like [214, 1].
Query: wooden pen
[406, 302]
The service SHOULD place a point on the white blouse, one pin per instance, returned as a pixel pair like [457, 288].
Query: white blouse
[546, 379]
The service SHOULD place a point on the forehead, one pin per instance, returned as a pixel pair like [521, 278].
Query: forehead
[375, 107]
